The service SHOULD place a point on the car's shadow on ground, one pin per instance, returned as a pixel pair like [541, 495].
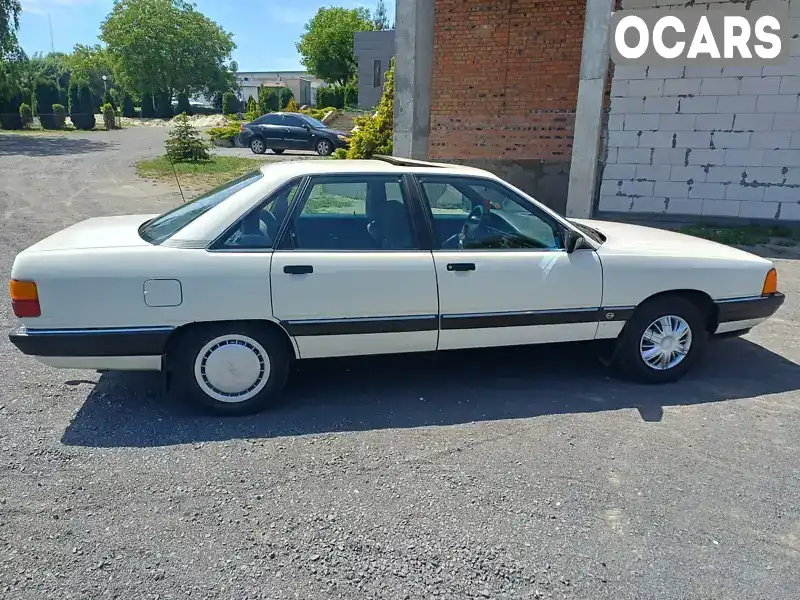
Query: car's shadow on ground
[414, 391]
[48, 145]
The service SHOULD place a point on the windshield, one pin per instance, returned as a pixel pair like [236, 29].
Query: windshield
[165, 226]
[314, 122]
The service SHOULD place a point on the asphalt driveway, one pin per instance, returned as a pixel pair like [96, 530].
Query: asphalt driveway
[522, 473]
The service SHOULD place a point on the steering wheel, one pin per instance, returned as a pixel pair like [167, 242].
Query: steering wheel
[270, 223]
[471, 225]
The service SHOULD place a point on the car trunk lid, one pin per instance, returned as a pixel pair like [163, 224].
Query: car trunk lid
[99, 232]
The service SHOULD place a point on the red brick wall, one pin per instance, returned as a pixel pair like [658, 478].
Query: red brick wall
[505, 79]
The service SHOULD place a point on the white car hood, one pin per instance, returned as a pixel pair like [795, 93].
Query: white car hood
[100, 232]
[623, 238]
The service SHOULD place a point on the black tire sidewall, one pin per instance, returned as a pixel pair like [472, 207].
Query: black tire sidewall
[263, 146]
[629, 358]
[182, 359]
[278, 151]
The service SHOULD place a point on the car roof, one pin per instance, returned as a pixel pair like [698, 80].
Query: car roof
[387, 165]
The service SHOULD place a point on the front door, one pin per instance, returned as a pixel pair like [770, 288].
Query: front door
[298, 137]
[504, 276]
[348, 277]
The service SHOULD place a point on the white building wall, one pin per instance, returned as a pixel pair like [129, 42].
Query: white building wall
[719, 142]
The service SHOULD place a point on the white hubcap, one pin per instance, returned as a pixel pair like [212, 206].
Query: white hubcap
[666, 342]
[232, 368]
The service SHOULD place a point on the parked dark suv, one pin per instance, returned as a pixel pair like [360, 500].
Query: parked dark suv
[291, 131]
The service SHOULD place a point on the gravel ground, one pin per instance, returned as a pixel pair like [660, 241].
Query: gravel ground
[523, 473]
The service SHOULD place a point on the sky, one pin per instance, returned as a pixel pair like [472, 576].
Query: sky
[265, 31]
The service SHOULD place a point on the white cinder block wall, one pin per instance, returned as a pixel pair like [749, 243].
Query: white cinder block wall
[705, 142]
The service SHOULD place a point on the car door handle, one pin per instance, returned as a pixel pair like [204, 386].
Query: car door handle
[461, 267]
[298, 269]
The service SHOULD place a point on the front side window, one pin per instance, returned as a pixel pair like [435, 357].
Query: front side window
[314, 122]
[354, 213]
[474, 214]
[259, 229]
[291, 121]
[163, 227]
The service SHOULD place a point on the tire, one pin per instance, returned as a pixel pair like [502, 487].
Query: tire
[203, 360]
[278, 151]
[324, 147]
[679, 313]
[257, 146]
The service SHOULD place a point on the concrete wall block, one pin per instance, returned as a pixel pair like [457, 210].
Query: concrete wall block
[630, 72]
[771, 140]
[720, 208]
[693, 139]
[792, 67]
[724, 174]
[667, 105]
[677, 122]
[795, 143]
[786, 122]
[686, 174]
[741, 71]
[619, 88]
[744, 158]
[794, 48]
[790, 211]
[737, 191]
[721, 86]
[609, 187]
[611, 155]
[731, 140]
[637, 188]
[781, 158]
[753, 122]
[665, 73]
[707, 191]
[758, 210]
[672, 189]
[737, 104]
[781, 194]
[682, 87]
[683, 207]
[703, 72]
[756, 86]
[764, 174]
[642, 122]
[616, 122]
[623, 139]
[701, 105]
[656, 139]
[790, 84]
[626, 106]
[617, 172]
[720, 122]
[669, 156]
[634, 156]
[645, 87]
[707, 157]
[792, 176]
[649, 205]
[614, 204]
[794, 8]
[653, 173]
[776, 104]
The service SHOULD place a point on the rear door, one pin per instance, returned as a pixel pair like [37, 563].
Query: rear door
[298, 133]
[273, 131]
[349, 276]
[509, 280]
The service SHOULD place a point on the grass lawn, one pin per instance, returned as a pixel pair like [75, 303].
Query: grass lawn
[746, 235]
[198, 175]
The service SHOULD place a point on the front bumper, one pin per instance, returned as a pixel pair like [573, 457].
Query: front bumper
[747, 309]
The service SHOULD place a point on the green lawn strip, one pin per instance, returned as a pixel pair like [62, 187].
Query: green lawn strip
[745, 235]
[198, 175]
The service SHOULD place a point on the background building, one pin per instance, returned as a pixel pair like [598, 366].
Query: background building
[373, 50]
[303, 85]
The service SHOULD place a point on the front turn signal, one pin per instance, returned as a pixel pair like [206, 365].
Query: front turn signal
[25, 298]
[770, 283]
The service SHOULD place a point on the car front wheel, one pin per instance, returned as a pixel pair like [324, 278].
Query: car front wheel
[662, 341]
[257, 146]
[231, 369]
[324, 148]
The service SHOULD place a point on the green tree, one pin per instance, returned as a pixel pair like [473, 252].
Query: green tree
[326, 48]
[381, 18]
[268, 100]
[90, 64]
[10, 51]
[230, 103]
[183, 104]
[47, 94]
[166, 45]
[184, 143]
[148, 106]
[128, 110]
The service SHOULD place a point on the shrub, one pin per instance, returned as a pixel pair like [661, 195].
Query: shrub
[350, 96]
[59, 116]
[184, 143]
[340, 153]
[163, 105]
[25, 115]
[10, 117]
[227, 132]
[183, 104]
[128, 110]
[285, 95]
[268, 100]
[148, 106]
[330, 96]
[251, 108]
[292, 106]
[230, 103]
[108, 99]
[109, 118]
[317, 113]
[46, 94]
[81, 109]
[374, 134]
[73, 100]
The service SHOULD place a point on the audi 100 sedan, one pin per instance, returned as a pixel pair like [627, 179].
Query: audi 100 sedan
[312, 259]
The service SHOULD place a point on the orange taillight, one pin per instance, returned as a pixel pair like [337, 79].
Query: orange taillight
[770, 283]
[24, 298]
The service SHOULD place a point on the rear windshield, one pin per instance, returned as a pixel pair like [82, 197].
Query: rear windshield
[165, 226]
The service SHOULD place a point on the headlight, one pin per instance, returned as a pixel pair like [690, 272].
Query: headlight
[344, 138]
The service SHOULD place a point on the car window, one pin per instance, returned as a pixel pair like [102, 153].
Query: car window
[369, 214]
[165, 226]
[290, 121]
[314, 122]
[268, 120]
[259, 229]
[473, 214]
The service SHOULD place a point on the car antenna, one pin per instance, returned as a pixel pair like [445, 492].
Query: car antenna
[180, 189]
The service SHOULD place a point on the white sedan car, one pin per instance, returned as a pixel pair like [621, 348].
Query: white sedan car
[312, 259]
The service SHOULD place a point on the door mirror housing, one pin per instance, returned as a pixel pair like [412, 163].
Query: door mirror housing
[573, 241]
[306, 126]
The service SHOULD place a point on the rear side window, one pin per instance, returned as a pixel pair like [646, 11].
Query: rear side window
[268, 120]
[165, 226]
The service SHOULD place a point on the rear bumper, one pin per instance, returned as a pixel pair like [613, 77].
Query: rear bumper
[83, 343]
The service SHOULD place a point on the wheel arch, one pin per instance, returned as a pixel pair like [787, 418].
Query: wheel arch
[700, 299]
[176, 336]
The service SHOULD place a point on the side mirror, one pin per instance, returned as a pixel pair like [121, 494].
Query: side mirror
[306, 126]
[572, 241]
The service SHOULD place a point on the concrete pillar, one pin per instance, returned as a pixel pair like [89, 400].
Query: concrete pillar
[589, 112]
[413, 71]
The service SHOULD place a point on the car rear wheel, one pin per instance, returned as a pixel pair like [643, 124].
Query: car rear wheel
[277, 151]
[662, 341]
[324, 148]
[257, 146]
[231, 369]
